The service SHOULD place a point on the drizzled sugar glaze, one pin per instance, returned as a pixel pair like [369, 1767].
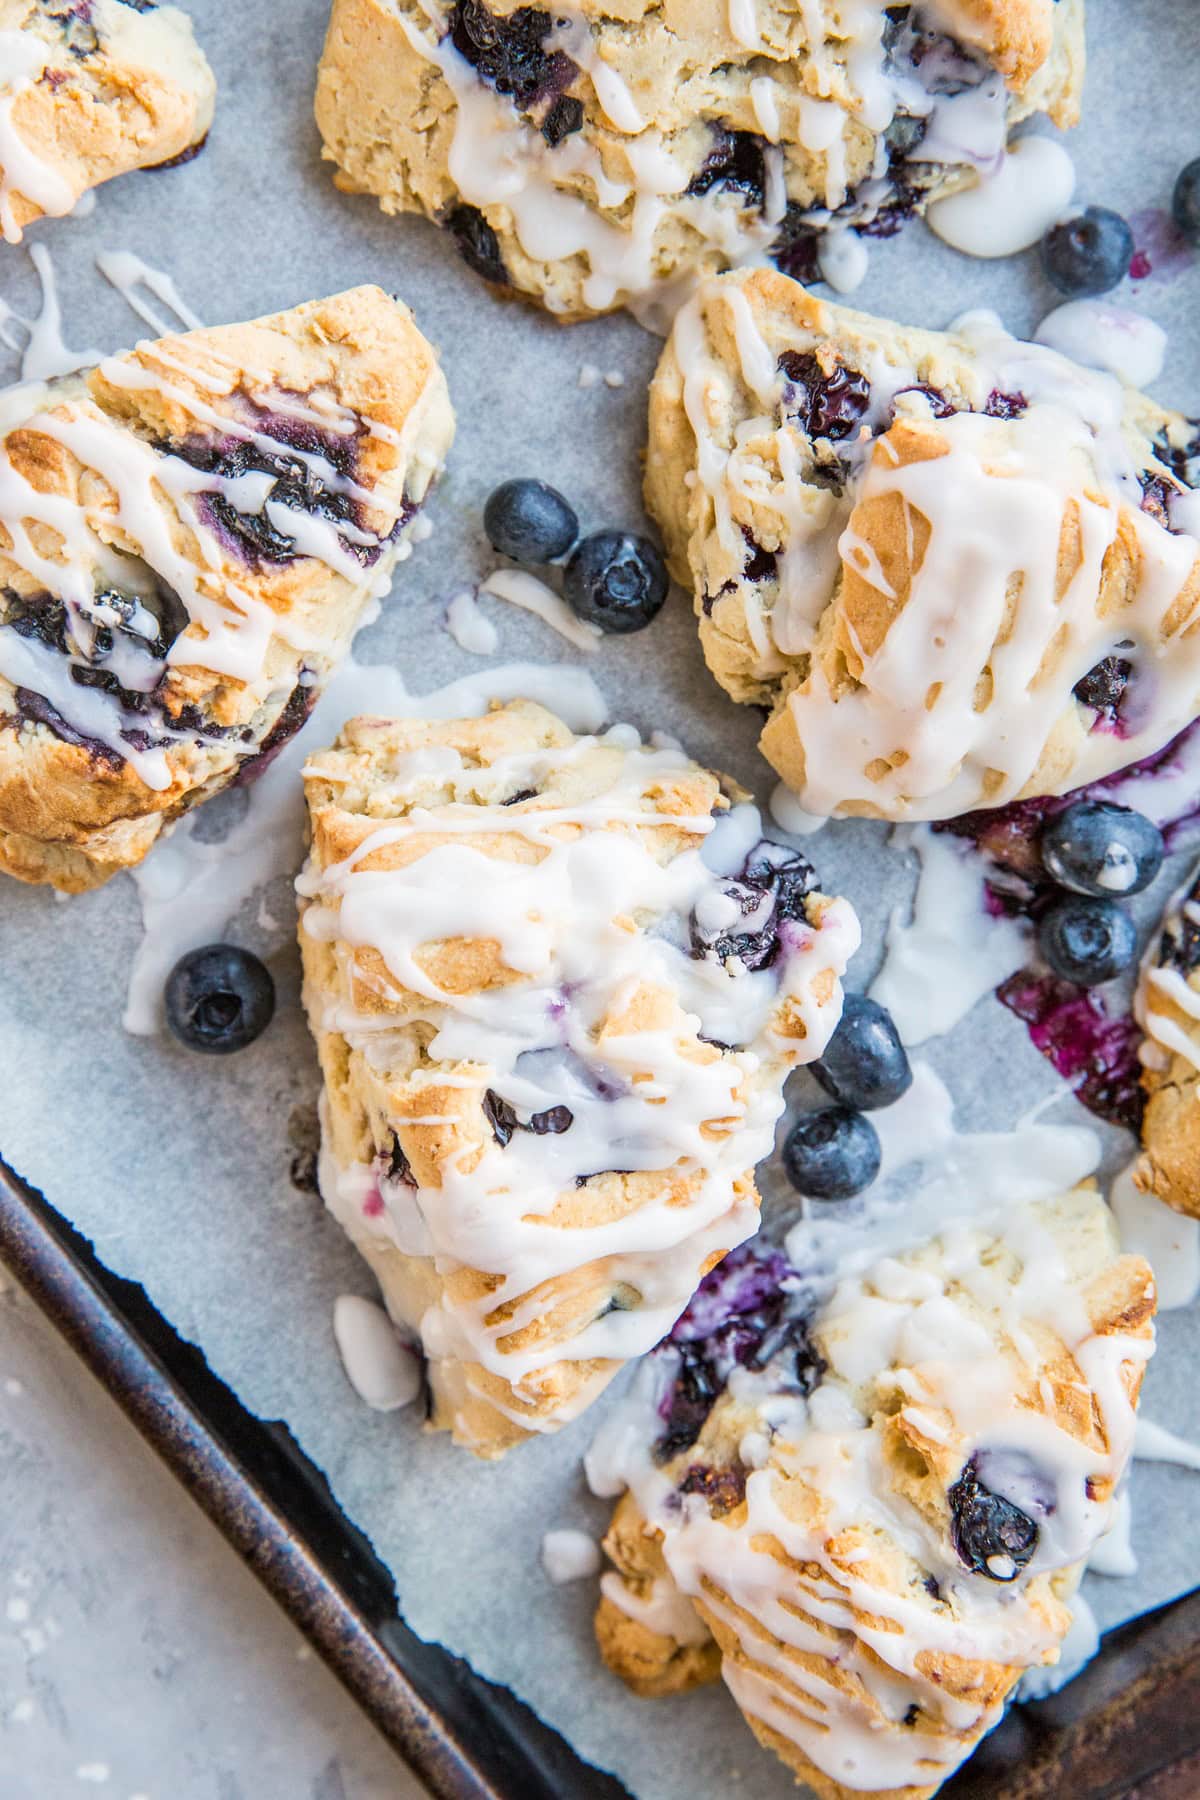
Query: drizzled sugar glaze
[627, 1049]
[850, 1622]
[140, 89]
[138, 522]
[939, 588]
[633, 203]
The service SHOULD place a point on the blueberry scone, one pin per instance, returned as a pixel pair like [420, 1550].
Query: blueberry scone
[556, 984]
[957, 569]
[90, 89]
[189, 534]
[586, 156]
[1168, 1009]
[868, 1513]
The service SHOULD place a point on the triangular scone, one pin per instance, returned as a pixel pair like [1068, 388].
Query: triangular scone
[1168, 1010]
[868, 1514]
[91, 91]
[189, 535]
[606, 155]
[556, 984]
[959, 569]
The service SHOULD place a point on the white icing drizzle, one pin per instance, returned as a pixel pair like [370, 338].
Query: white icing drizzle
[892, 1307]
[663, 1609]
[569, 1555]
[1169, 1242]
[911, 736]
[232, 627]
[1075, 1652]
[1010, 208]
[950, 952]
[1154, 1443]
[1103, 336]
[497, 157]
[522, 589]
[44, 351]
[1113, 1554]
[1164, 992]
[24, 57]
[954, 1384]
[640, 1098]
[129, 275]
[190, 889]
[469, 628]
[381, 1370]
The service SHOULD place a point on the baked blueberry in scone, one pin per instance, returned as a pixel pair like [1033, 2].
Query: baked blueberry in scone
[1168, 1010]
[556, 984]
[189, 535]
[585, 156]
[90, 89]
[958, 569]
[866, 1510]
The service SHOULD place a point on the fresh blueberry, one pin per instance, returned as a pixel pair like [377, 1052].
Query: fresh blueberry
[1086, 940]
[832, 1154]
[990, 1535]
[219, 999]
[616, 580]
[1097, 848]
[1185, 201]
[529, 521]
[865, 1064]
[1087, 253]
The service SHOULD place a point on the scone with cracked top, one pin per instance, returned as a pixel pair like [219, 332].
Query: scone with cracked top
[1168, 1010]
[868, 1512]
[959, 569]
[556, 983]
[91, 89]
[189, 534]
[590, 157]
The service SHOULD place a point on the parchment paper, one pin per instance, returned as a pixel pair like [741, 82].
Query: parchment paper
[177, 1166]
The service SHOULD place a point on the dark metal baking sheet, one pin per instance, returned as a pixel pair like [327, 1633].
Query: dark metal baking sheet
[1127, 1729]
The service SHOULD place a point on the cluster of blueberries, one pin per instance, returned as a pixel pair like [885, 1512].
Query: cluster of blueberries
[1094, 850]
[1090, 252]
[613, 579]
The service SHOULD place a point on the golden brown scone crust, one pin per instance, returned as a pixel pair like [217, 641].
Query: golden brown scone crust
[381, 1086]
[859, 594]
[119, 90]
[1168, 1008]
[922, 1454]
[71, 817]
[652, 1663]
[388, 116]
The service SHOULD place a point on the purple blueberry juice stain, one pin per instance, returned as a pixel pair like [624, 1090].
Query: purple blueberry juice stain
[760, 564]
[795, 251]
[1093, 1051]
[939, 405]
[1000, 405]
[828, 405]
[508, 53]
[769, 892]
[751, 1310]
[293, 716]
[735, 162]
[1162, 252]
[297, 486]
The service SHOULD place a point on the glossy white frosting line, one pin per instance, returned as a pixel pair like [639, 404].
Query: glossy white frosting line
[985, 608]
[645, 1097]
